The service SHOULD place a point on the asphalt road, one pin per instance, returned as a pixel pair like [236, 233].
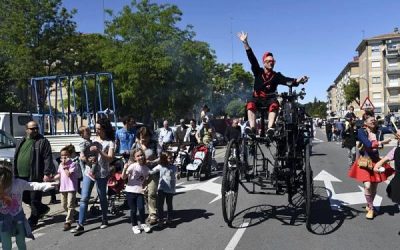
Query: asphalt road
[262, 221]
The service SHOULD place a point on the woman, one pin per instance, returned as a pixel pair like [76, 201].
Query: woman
[152, 152]
[369, 136]
[103, 147]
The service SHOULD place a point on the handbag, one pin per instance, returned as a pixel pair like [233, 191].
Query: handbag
[365, 162]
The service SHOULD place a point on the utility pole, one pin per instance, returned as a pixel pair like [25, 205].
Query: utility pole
[104, 20]
[231, 40]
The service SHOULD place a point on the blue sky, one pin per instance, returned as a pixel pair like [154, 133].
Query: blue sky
[309, 37]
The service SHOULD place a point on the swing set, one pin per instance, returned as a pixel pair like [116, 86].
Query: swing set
[56, 100]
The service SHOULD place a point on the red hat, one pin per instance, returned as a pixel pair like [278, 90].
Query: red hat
[266, 54]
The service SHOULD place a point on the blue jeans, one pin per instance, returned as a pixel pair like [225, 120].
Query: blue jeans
[136, 203]
[161, 196]
[87, 187]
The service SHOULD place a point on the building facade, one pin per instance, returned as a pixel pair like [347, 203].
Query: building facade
[378, 73]
[349, 72]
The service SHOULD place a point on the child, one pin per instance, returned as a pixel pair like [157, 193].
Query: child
[68, 176]
[115, 183]
[166, 186]
[136, 171]
[84, 147]
[12, 217]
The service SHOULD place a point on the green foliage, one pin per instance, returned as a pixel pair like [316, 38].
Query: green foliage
[35, 36]
[230, 82]
[316, 108]
[352, 92]
[236, 108]
[160, 70]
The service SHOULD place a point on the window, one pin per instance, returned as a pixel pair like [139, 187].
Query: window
[376, 95]
[376, 64]
[376, 80]
[375, 51]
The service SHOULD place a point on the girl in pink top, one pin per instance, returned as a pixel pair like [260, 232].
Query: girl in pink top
[136, 171]
[12, 217]
[68, 176]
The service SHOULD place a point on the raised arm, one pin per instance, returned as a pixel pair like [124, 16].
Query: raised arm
[243, 38]
[255, 66]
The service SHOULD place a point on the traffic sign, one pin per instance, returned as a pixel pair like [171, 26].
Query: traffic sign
[367, 104]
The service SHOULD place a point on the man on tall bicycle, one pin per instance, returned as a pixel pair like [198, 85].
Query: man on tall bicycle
[266, 81]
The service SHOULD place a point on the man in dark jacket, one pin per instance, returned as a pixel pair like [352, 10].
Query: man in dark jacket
[349, 142]
[233, 132]
[266, 82]
[33, 161]
[328, 130]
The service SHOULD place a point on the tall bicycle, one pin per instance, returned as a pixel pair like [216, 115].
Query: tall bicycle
[282, 164]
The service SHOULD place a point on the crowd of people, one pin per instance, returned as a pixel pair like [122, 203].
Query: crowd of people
[149, 175]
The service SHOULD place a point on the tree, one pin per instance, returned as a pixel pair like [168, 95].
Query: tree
[352, 92]
[236, 108]
[316, 108]
[34, 37]
[231, 82]
[161, 70]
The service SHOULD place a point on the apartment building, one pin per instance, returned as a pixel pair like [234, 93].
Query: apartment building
[332, 103]
[350, 71]
[379, 71]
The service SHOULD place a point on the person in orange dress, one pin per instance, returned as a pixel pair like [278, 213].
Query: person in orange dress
[371, 138]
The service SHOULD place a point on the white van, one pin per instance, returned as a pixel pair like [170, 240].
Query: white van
[14, 123]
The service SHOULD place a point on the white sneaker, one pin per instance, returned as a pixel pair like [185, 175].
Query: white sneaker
[136, 229]
[146, 228]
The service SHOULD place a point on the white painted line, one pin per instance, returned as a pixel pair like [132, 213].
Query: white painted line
[315, 139]
[237, 236]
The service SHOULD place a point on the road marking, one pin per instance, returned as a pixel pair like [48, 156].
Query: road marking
[338, 200]
[207, 186]
[237, 236]
[316, 140]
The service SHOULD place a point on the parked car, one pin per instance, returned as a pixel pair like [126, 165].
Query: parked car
[7, 146]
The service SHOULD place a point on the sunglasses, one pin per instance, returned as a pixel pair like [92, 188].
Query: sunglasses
[269, 61]
[34, 128]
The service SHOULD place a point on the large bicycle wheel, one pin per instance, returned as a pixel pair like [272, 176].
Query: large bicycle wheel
[230, 181]
[247, 156]
[309, 189]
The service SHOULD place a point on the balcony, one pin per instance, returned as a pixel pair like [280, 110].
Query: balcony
[393, 85]
[393, 51]
[393, 100]
[393, 70]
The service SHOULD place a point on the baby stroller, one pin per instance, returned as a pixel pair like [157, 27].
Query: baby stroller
[116, 197]
[181, 155]
[115, 185]
[201, 162]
